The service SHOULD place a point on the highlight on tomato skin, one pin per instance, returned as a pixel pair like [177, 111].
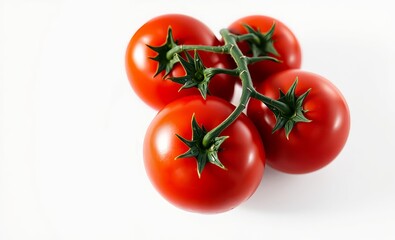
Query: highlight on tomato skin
[217, 189]
[311, 145]
[141, 69]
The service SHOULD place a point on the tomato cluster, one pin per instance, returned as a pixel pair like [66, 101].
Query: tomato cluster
[204, 154]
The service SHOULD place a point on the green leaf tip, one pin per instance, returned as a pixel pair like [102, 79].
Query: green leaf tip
[297, 113]
[164, 63]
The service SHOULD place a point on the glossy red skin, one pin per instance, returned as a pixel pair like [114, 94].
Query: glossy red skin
[156, 91]
[177, 181]
[313, 145]
[285, 43]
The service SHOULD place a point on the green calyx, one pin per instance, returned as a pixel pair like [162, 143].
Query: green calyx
[203, 155]
[196, 76]
[262, 43]
[164, 63]
[295, 115]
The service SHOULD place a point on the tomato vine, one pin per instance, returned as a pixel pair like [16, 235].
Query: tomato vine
[292, 120]
[288, 109]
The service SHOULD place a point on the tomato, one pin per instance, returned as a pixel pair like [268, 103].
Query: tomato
[140, 69]
[311, 145]
[284, 41]
[216, 190]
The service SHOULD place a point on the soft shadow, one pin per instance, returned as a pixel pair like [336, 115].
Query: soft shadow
[288, 193]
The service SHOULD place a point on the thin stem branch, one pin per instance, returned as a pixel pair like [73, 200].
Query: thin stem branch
[252, 60]
[247, 36]
[214, 71]
[282, 107]
[180, 48]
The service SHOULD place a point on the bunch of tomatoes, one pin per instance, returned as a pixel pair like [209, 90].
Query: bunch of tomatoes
[204, 154]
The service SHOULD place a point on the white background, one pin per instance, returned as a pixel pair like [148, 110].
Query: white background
[71, 128]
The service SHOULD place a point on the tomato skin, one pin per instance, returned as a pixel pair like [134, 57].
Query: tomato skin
[312, 145]
[156, 91]
[285, 42]
[217, 190]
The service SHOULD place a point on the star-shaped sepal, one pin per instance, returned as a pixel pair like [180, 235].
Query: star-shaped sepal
[203, 155]
[296, 114]
[196, 76]
[262, 43]
[164, 62]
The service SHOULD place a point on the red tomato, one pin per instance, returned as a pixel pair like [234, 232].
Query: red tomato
[311, 145]
[140, 69]
[217, 190]
[285, 42]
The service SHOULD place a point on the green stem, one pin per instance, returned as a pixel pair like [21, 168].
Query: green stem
[211, 135]
[248, 89]
[252, 60]
[216, 49]
[215, 71]
[180, 48]
[247, 36]
[282, 107]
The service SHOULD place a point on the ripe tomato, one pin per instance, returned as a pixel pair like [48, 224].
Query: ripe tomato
[140, 69]
[311, 145]
[284, 41]
[217, 190]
